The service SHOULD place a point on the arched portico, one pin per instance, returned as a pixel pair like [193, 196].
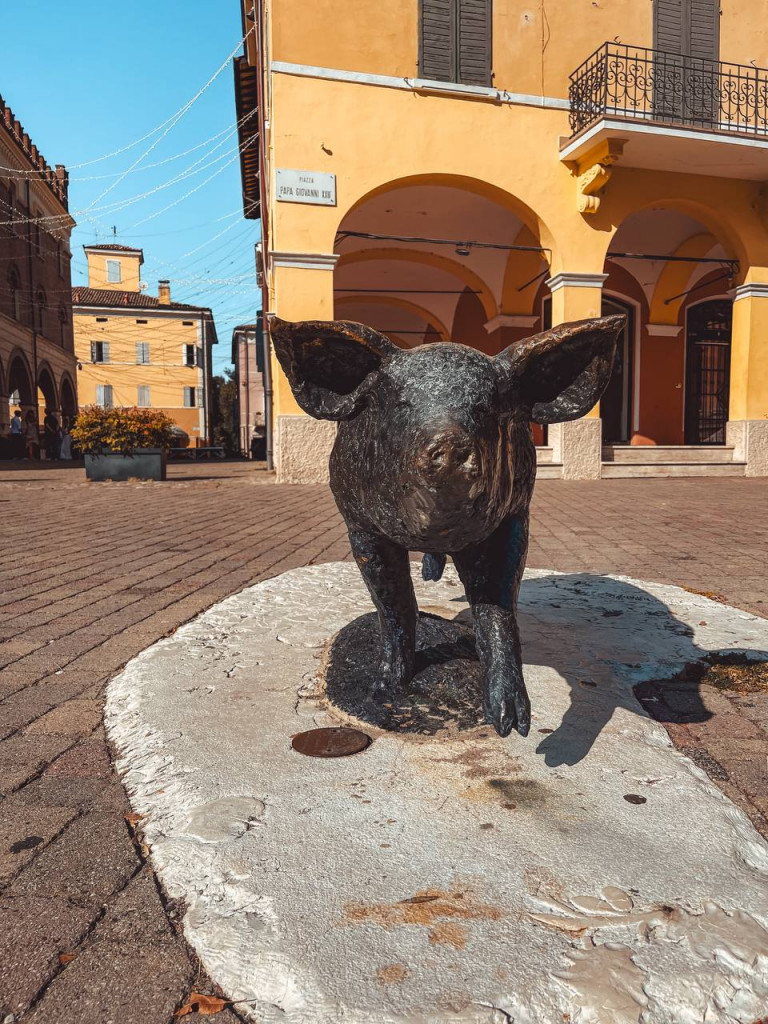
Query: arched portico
[457, 248]
[68, 400]
[20, 381]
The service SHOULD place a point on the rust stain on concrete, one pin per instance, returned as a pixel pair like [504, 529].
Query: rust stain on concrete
[391, 974]
[449, 933]
[428, 907]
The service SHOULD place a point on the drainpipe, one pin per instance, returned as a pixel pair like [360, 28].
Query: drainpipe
[258, 22]
[267, 393]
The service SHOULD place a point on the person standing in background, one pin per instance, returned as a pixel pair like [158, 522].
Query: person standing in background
[17, 435]
[51, 435]
[32, 436]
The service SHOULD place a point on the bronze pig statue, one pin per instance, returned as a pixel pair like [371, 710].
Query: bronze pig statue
[434, 454]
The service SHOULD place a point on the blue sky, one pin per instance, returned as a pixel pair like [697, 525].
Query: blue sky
[86, 79]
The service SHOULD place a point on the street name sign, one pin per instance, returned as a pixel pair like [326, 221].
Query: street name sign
[315, 187]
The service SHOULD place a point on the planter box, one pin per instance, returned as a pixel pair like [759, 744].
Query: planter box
[140, 464]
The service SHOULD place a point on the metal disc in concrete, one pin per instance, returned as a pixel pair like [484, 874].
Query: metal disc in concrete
[589, 872]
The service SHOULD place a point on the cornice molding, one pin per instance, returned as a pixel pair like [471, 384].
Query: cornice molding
[510, 320]
[573, 280]
[304, 260]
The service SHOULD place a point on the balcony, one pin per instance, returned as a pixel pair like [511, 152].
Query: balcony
[667, 111]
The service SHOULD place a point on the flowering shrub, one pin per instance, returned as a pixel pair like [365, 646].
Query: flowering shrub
[121, 430]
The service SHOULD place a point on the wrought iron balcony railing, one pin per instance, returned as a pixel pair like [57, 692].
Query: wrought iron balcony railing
[639, 84]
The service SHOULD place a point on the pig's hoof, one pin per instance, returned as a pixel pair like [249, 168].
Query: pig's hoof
[509, 711]
[394, 674]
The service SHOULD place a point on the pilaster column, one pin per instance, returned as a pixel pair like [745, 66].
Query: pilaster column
[747, 428]
[578, 444]
[301, 288]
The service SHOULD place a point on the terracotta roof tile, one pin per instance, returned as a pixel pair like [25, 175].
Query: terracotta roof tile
[126, 300]
[115, 248]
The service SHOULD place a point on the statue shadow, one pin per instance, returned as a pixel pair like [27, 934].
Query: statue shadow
[614, 644]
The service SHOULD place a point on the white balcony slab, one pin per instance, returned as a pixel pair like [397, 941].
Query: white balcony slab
[667, 147]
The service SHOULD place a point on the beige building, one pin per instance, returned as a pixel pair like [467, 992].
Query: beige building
[37, 361]
[248, 360]
[137, 349]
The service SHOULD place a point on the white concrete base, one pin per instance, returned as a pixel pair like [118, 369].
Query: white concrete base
[434, 880]
[302, 449]
[578, 445]
[750, 441]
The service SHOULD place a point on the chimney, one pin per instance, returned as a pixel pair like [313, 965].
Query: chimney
[164, 293]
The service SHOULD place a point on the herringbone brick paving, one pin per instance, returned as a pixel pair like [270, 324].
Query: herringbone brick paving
[92, 574]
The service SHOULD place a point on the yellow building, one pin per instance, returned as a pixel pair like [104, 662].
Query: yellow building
[139, 349]
[473, 171]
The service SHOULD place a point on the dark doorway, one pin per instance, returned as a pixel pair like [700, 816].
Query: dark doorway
[616, 403]
[707, 371]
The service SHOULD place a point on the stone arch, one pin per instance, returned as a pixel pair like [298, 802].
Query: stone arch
[476, 186]
[399, 303]
[68, 397]
[46, 383]
[723, 229]
[429, 259]
[469, 324]
[20, 378]
[519, 290]
[674, 279]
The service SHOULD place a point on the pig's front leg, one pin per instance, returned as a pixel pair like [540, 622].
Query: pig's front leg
[491, 573]
[385, 567]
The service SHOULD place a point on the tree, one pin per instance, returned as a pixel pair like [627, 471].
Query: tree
[224, 412]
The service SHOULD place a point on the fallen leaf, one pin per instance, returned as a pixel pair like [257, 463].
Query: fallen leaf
[66, 958]
[204, 1005]
[133, 819]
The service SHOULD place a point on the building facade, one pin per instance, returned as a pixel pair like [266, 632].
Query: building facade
[475, 170]
[248, 361]
[37, 361]
[136, 349]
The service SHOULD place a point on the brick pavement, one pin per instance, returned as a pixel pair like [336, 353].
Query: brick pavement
[92, 574]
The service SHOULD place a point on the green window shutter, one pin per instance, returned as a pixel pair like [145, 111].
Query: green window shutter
[704, 22]
[437, 43]
[475, 42]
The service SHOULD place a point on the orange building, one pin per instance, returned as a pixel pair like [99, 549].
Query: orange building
[137, 349]
[474, 170]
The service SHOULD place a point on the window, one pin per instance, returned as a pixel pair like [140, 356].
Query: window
[41, 312]
[200, 399]
[104, 396]
[187, 323]
[189, 397]
[144, 401]
[690, 27]
[99, 351]
[14, 287]
[114, 272]
[455, 43]
[102, 319]
[189, 355]
[60, 258]
[142, 351]
[141, 321]
[36, 235]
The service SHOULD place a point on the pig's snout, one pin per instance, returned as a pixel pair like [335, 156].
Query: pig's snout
[448, 454]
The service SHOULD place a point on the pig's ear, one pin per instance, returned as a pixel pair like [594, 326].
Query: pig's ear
[559, 375]
[330, 366]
